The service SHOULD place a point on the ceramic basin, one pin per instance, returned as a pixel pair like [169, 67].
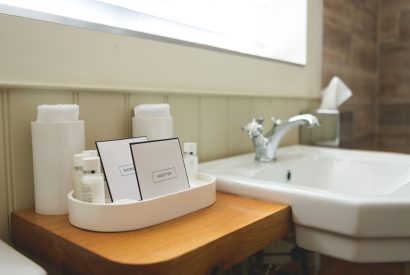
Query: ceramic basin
[349, 204]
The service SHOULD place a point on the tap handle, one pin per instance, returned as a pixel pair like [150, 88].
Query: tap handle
[276, 121]
[259, 120]
[255, 127]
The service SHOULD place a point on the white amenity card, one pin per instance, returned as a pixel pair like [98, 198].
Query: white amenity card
[118, 168]
[159, 166]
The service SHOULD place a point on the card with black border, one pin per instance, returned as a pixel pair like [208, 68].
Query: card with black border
[118, 167]
[159, 167]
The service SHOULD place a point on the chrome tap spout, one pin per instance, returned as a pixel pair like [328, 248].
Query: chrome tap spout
[266, 147]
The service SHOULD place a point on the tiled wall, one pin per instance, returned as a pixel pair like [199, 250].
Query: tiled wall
[367, 43]
[212, 121]
[350, 52]
[394, 85]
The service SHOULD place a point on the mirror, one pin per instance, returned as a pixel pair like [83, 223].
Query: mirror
[272, 29]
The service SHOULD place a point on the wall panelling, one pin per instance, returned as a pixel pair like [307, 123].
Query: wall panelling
[213, 121]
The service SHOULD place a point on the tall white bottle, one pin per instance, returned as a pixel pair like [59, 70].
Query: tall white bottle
[92, 182]
[77, 174]
[191, 160]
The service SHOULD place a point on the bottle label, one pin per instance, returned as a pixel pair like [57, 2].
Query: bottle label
[86, 192]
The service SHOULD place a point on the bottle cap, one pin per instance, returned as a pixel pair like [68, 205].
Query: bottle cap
[91, 164]
[78, 159]
[190, 148]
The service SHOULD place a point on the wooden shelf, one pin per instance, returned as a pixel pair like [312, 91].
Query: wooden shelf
[202, 242]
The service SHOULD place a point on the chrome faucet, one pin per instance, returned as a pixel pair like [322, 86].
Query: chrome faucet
[266, 146]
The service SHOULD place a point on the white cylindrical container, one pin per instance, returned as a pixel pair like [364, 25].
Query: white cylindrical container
[152, 127]
[153, 121]
[54, 144]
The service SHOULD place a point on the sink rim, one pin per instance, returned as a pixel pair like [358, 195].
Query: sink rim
[391, 197]
[360, 210]
[353, 228]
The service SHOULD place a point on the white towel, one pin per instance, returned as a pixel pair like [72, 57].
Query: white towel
[152, 110]
[58, 113]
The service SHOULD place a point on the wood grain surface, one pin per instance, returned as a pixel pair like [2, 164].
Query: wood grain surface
[202, 242]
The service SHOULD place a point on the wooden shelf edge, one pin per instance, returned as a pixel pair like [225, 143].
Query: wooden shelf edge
[219, 254]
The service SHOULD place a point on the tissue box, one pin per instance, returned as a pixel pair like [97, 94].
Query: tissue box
[327, 134]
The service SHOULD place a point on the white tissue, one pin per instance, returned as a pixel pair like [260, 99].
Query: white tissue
[58, 113]
[334, 94]
[151, 110]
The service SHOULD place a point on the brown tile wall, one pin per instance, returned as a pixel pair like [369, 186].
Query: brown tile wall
[350, 51]
[367, 44]
[394, 72]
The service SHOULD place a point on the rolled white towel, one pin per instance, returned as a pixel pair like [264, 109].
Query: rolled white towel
[153, 121]
[58, 113]
[152, 110]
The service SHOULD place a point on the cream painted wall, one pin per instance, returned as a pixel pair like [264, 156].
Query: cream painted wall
[3, 177]
[42, 54]
[212, 94]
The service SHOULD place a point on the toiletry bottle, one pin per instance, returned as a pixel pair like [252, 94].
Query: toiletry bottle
[77, 173]
[92, 153]
[191, 160]
[92, 182]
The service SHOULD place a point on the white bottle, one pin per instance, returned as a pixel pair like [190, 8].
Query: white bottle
[77, 173]
[91, 153]
[191, 160]
[92, 182]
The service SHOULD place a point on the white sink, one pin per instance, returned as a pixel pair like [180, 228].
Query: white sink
[352, 205]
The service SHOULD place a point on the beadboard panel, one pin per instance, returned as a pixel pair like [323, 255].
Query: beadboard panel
[185, 113]
[104, 115]
[261, 107]
[3, 187]
[239, 114]
[22, 109]
[214, 122]
[214, 128]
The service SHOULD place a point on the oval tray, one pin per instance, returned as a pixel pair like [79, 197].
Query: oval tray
[136, 215]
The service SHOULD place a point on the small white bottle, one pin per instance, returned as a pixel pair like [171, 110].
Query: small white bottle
[77, 173]
[191, 160]
[92, 182]
[92, 153]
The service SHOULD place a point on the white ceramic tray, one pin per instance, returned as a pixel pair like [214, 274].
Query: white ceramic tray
[136, 215]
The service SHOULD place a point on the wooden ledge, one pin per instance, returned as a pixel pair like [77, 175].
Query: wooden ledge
[211, 239]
